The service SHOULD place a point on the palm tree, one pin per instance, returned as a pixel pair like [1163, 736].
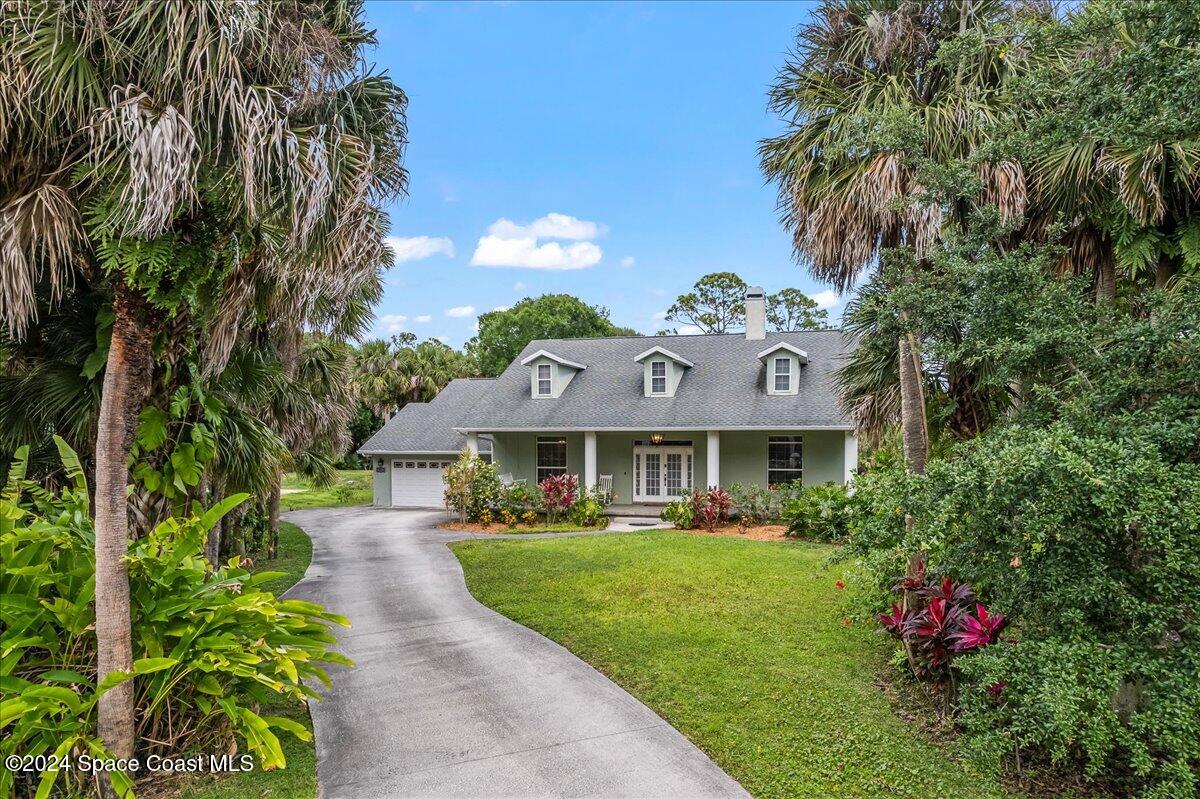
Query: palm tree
[177, 155]
[868, 102]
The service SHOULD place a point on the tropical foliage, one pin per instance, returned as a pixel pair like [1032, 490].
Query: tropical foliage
[717, 304]
[210, 645]
[196, 178]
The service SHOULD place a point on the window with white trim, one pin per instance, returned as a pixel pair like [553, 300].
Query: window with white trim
[785, 459]
[543, 380]
[658, 377]
[783, 374]
[551, 456]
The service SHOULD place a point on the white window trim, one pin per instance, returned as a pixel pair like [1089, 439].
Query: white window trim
[537, 450]
[775, 440]
[548, 380]
[654, 378]
[786, 373]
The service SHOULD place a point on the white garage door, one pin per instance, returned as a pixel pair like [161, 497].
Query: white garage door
[417, 482]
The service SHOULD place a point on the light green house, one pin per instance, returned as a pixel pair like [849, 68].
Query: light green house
[647, 418]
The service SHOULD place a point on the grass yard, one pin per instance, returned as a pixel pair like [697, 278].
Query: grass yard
[741, 645]
[352, 487]
[299, 779]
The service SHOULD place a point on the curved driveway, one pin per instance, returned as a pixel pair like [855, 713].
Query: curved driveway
[449, 698]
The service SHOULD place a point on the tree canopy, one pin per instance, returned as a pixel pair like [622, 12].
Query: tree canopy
[503, 334]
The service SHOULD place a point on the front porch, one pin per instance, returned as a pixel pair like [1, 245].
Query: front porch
[638, 511]
[648, 468]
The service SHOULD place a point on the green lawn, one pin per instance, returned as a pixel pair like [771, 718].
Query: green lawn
[299, 779]
[352, 487]
[741, 645]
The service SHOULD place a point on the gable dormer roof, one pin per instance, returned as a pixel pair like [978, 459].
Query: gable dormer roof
[666, 353]
[782, 345]
[556, 358]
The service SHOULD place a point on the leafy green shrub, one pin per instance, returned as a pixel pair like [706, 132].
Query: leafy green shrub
[588, 510]
[679, 513]
[210, 645]
[820, 512]
[472, 487]
[519, 498]
[754, 504]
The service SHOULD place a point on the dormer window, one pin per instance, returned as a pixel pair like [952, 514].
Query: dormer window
[783, 362]
[658, 377]
[549, 374]
[783, 375]
[662, 370]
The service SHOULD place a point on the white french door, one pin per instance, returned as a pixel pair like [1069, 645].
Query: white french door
[661, 474]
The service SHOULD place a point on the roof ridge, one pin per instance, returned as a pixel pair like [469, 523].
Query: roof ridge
[653, 336]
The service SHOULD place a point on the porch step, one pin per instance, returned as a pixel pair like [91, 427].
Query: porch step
[637, 511]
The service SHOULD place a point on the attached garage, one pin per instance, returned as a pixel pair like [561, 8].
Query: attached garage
[412, 450]
[417, 482]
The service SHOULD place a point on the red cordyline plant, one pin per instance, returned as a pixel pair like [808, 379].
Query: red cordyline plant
[951, 622]
[558, 494]
[710, 509]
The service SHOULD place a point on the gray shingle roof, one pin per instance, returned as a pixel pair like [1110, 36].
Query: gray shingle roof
[725, 389]
[429, 426]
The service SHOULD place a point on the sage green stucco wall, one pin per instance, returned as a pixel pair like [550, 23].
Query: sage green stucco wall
[743, 456]
[517, 453]
[382, 482]
[614, 455]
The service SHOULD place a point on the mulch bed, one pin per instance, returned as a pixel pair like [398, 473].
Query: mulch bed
[758, 532]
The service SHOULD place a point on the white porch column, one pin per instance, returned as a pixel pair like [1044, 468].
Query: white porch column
[473, 443]
[850, 458]
[712, 458]
[590, 478]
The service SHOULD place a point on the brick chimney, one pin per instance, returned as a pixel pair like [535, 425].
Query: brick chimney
[756, 314]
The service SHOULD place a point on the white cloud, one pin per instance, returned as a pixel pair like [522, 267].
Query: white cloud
[510, 244]
[660, 315]
[628, 261]
[659, 292]
[418, 248]
[460, 310]
[689, 330]
[528, 254]
[499, 308]
[550, 226]
[518, 286]
[423, 318]
[826, 299]
[392, 323]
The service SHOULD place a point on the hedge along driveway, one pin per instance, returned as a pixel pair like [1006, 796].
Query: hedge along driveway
[741, 645]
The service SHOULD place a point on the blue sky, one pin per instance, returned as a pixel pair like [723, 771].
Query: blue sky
[616, 138]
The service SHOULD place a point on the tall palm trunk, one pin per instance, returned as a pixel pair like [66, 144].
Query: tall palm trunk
[124, 385]
[912, 406]
[273, 516]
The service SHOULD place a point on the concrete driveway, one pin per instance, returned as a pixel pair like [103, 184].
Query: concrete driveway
[449, 698]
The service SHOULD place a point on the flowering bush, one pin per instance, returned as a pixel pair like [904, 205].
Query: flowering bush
[558, 494]
[472, 487]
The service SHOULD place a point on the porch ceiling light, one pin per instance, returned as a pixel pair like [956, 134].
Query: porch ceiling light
[656, 438]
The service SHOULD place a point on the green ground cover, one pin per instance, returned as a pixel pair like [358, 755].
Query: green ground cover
[743, 646]
[352, 487]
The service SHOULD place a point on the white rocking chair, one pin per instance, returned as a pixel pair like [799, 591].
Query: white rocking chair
[605, 485]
